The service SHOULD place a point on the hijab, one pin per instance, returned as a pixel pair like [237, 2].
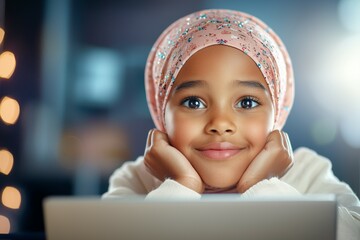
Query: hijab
[201, 29]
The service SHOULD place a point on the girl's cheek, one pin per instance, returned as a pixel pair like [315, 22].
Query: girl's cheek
[170, 124]
[183, 128]
[258, 131]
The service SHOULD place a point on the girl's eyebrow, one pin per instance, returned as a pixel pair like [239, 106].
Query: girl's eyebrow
[202, 83]
[190, 84]
[253, 84]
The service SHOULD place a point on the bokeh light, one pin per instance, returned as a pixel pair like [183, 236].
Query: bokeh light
[350, 129]
[8, 64]
[6, 161]
[9, 110]
[11, 198]
[349, 14]
[2, 34]
[324, 131]
[337, 89]
[9, 113]
[4, 225]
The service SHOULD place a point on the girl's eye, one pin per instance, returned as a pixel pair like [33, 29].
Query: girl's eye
[193, 102]
[247, 103]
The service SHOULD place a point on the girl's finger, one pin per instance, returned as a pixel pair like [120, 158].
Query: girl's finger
[159, 136]
[275, 138]
[284, 140]
[149, 138]
[289, 146]
[289, 142]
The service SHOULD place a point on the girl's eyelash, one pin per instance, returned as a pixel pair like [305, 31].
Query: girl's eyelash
[192, 97]
[249, 98]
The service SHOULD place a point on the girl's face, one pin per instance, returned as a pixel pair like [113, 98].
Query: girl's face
[219, 114]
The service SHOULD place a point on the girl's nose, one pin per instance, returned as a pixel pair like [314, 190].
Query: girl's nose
[221, 123]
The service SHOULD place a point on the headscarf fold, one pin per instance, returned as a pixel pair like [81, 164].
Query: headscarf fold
[198, 30]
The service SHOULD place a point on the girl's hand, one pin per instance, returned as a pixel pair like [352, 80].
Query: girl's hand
[164, 161]
[273, 161]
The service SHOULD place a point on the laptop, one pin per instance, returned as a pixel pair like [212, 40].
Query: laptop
[213, 217]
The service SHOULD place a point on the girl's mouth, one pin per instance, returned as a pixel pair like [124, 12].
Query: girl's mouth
[219, 150]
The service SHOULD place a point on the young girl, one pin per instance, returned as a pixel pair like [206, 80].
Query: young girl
[220, 86]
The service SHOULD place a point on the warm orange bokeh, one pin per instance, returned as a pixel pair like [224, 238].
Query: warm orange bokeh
[4, 225]
[9, 113]
[8, 64]
[2, 33]
[9, 110]
[11, 198]
[6, 161]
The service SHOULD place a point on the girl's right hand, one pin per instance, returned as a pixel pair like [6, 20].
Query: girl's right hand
[274, 160]
[164, 161]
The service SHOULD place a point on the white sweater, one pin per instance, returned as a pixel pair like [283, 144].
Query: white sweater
[310, 174]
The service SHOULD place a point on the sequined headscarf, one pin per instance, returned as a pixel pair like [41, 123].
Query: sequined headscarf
[198, 30]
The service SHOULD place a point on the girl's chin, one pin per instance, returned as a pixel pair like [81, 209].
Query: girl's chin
[222, 186]
[221, 178]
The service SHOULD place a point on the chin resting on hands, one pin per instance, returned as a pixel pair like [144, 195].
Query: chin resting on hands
[164, 161]
[274, 160]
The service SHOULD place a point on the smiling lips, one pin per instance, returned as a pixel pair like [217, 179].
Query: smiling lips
[219, 151]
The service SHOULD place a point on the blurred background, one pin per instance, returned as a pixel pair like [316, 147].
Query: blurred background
[75, 109]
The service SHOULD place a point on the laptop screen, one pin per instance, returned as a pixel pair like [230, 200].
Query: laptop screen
[212, 217]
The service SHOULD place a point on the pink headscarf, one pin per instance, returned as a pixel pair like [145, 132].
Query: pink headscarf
[201, 29]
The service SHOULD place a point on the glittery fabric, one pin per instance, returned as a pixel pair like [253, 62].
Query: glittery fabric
[201, 29]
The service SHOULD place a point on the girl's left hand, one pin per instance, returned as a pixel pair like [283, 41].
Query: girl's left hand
[273, 161]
